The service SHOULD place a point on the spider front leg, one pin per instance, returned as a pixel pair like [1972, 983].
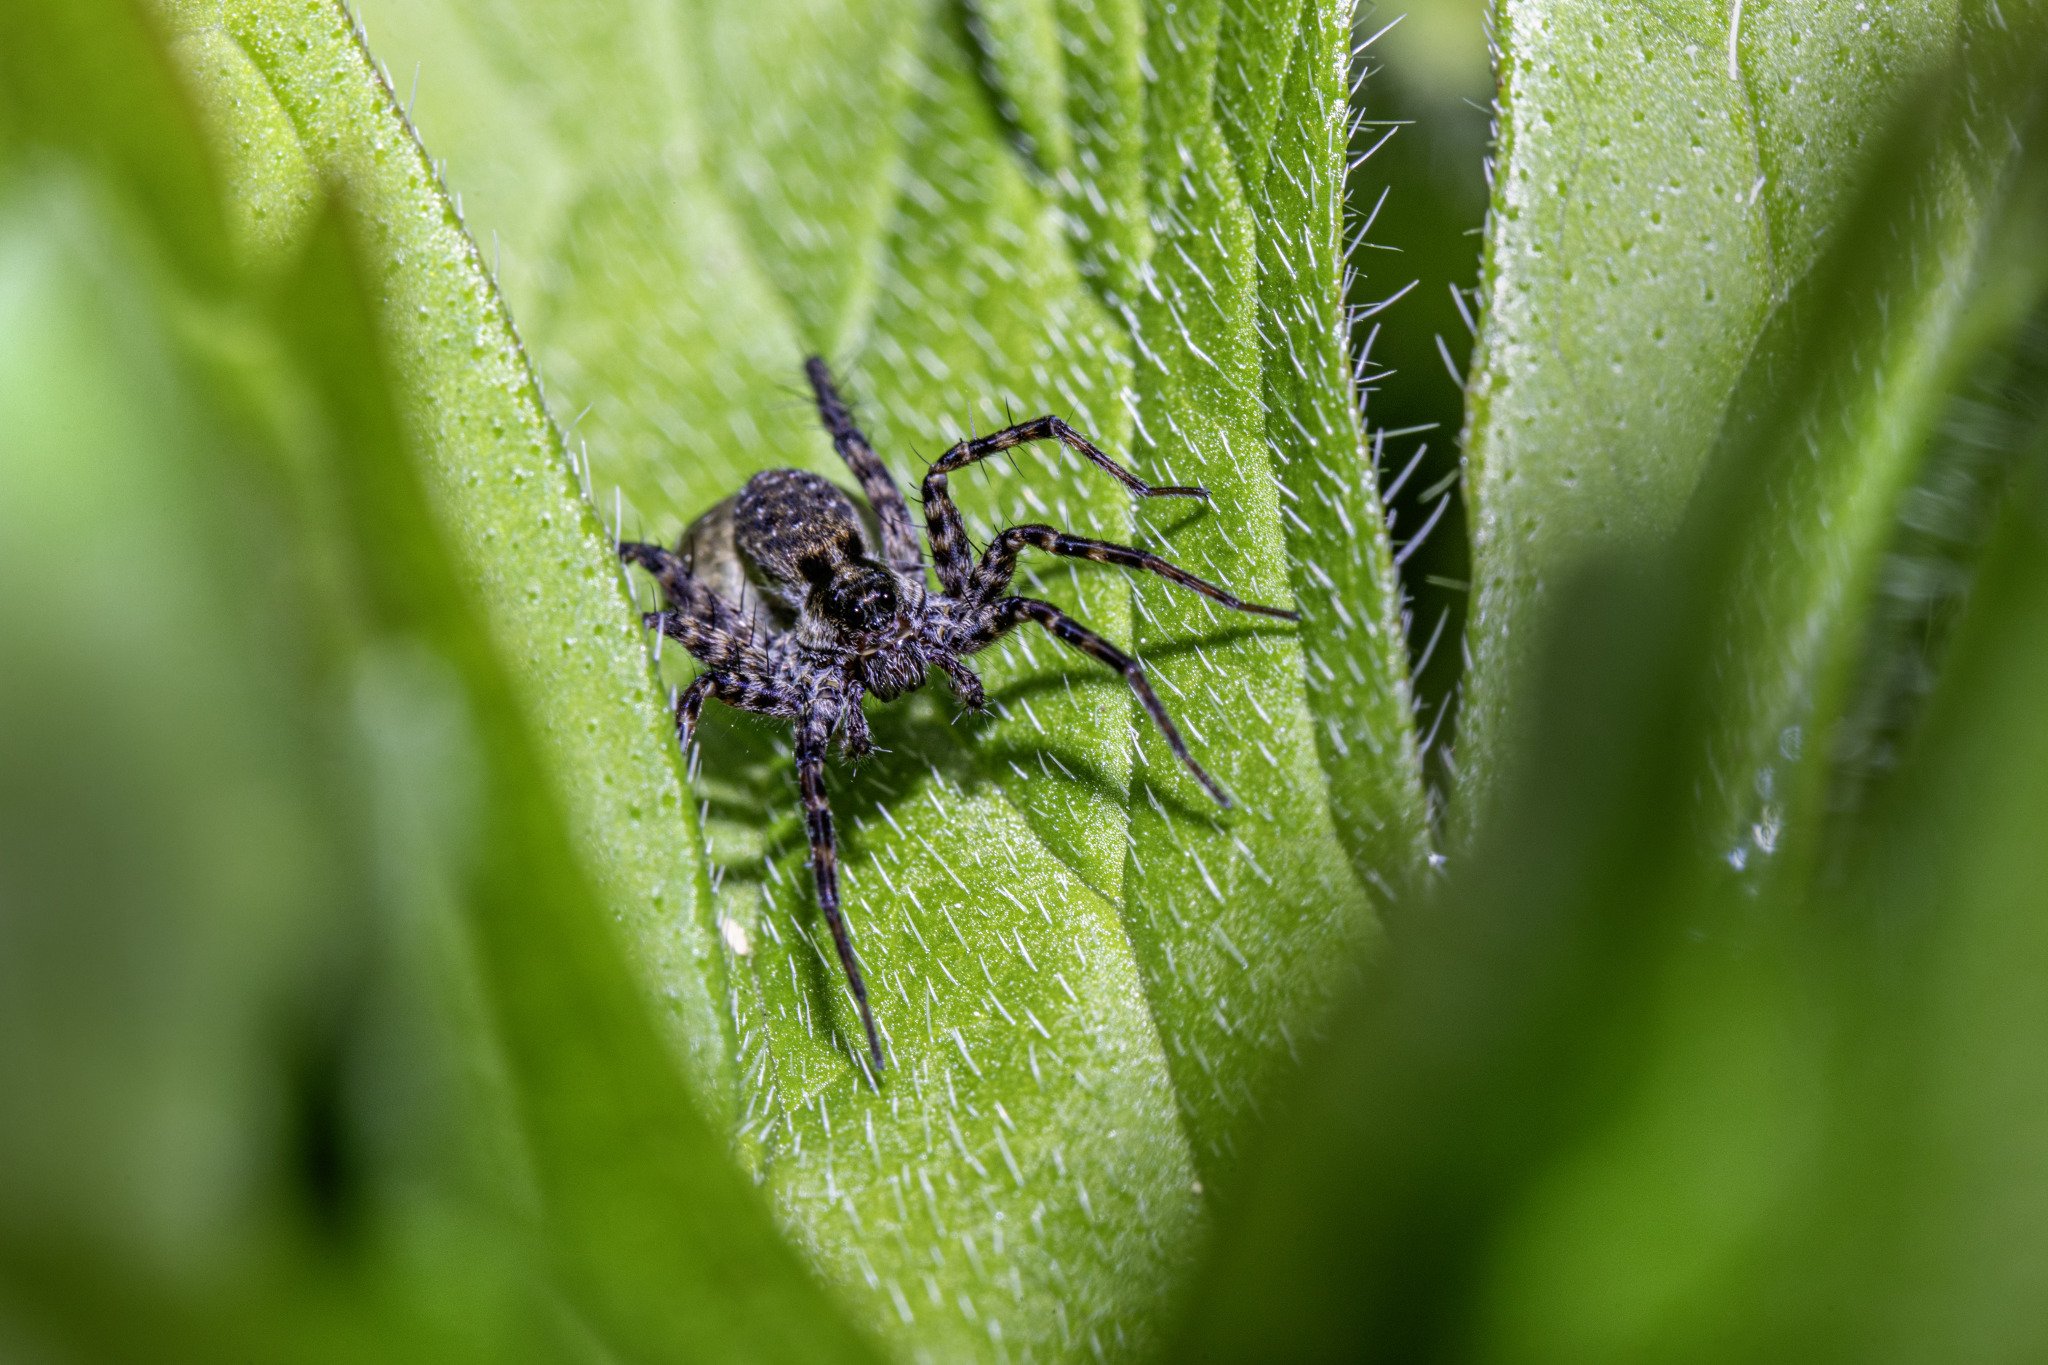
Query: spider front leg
[855, 740]
[698, 619]
[690, 708]
[742, 694]
[965, 682]
[813, 736]
[993, 574]
[1068, 631]
[942, 519]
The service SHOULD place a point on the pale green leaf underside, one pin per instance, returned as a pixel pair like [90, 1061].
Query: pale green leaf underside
[1935, 273]
[1088, 976]
[1665, 174]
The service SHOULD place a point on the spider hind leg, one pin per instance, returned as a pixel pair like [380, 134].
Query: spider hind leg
[711, 629]
[899, 532]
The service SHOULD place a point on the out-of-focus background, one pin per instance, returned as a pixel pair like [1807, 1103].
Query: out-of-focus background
[1659, 977]
[1425, 134]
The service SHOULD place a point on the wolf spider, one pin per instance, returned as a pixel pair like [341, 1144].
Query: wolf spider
[775, 592]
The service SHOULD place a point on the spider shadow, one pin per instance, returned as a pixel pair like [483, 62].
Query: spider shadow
[747, 768]
[1098, 782]
[1166, 517]
[746, 779]
[1172, 650]
[995, 754]
[745, 762]
[1091, 775]
[740, 763]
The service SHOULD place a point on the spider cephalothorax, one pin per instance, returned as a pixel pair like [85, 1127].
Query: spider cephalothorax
[780, 592]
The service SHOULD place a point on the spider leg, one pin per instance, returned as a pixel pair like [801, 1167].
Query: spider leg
[699, 619]
[813, 734]
[942, 518]
[899, 532]
[741, 694]
[1068, 631]
[992, 575]
[855, 741]
[689, 707]
[965, 682]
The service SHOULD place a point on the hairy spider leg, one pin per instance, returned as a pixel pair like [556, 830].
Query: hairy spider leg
[712, 631]
[942, 524]
[855, 741]
[1064, 628]
[737, 693]
[690, 706]
[699, 619]
[965, 681]
[813, 734]
[899, 533]
[997, 565]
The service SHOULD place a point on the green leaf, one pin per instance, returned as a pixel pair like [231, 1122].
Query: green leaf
[1242, 925]
[1492, 1032]
[656, 1237]
[686, 207]
[1606, 1102]
[1337, 540]
[376, 984]
[329, 1050]
[1023, 61]
[1042, 1197]
[803, 109]
[1845, 1075]
[1964, 1159]
[1664, 179]
[1838, 415]
[1091, 981]
[531, 545]
[134, 1092]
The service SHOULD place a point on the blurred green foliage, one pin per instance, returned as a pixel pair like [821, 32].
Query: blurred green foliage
[375, 984]
[1418, 192]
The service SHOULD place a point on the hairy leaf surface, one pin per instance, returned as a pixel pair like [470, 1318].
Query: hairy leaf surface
[1087, 978]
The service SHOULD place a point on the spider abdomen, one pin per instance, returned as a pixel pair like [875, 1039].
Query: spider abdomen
[747, 548]
[793, 525]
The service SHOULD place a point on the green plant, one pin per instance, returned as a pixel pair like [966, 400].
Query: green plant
[375, 982]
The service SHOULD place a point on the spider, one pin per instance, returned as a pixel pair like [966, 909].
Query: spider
[777, 593]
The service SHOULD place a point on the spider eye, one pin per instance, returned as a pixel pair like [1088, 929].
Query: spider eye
[863, 603]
